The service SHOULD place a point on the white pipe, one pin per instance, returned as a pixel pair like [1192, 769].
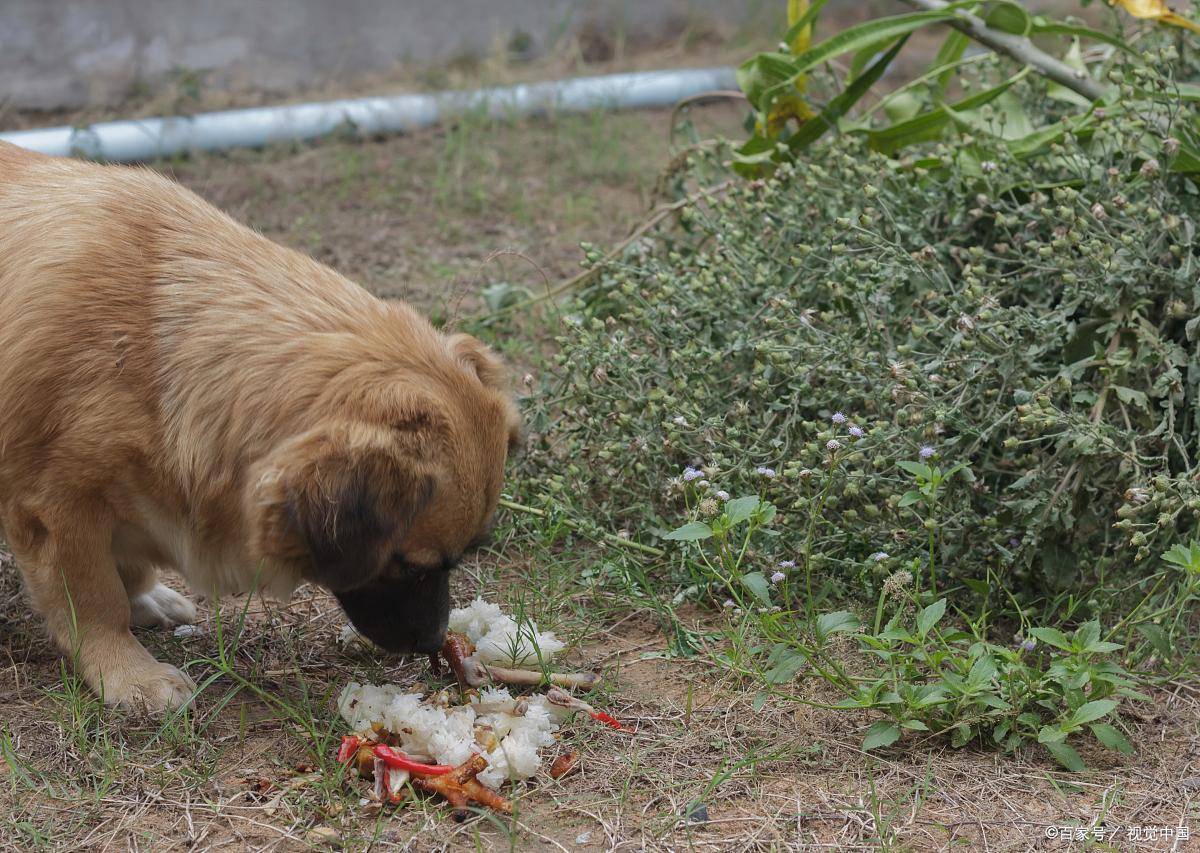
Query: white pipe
[145, 139]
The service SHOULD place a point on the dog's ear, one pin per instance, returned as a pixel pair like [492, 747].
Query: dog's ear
[351, 512]
[340, 501]
[492, 374]
[480, 358]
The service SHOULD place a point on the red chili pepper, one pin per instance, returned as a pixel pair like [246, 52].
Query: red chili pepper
[348, 748]
[402, 762]
[608, 720]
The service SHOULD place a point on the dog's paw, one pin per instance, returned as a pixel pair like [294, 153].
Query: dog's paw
[161, 606]
[151, 689]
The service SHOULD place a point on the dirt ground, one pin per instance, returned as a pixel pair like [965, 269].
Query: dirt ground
[438, 218]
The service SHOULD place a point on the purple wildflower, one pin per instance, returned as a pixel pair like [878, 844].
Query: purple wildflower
[722, 494]
[764, 471]
[879, 556]
[855, 431]
[778, 577]
[787, 564]
[1028, 644]
[838, 418]
[690, 474]
[926, 452]
[833, 445]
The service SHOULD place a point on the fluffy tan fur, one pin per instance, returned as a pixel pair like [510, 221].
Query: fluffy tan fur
[176, 391]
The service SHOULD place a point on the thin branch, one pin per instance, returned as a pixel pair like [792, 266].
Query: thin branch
[1019, 48]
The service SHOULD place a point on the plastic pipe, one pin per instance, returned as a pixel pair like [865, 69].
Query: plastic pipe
[132, 140]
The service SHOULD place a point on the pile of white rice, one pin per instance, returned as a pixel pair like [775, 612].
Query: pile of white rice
[498, 639]
[451, 734]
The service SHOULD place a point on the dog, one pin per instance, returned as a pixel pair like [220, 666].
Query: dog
[177, 391]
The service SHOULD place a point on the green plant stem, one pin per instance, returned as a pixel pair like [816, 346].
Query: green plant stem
[608, 537]
[808, 542]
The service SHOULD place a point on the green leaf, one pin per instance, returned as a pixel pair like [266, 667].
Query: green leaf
[762, 72]
[1007, 118]
[690, 532]
[1051, 734]
[1008, 17]
[1053, 636]
[838, 106]
[918, 469]
[784, 671]
[930, 616]
[928, 694]
[1111, 737]
[882, 733]
[929, 125]
[915, 725]
[758, 586]
[1132, 396]
[950, 52]
[740, 509]
[1043, 26]
[1186, 557]
[842, 621]
[909, 498]
[1066, 756]
[1157, 638]
[982, 672]
[1086, 634]
[762, 94]
[760, 699]
[1090, 711]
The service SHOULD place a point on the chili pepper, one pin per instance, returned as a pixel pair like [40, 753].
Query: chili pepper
[402, 762]
[608, 720]
[348, 748]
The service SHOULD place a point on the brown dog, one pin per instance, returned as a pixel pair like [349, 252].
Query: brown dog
[178, 391]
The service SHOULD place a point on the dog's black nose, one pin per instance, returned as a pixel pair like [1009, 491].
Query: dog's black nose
[403, 615]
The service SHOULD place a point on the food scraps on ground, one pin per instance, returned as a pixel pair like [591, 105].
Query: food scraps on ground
[564, 764]
[460, 787]
[465, 752]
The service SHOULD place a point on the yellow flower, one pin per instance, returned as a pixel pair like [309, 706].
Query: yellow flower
[1156, 10]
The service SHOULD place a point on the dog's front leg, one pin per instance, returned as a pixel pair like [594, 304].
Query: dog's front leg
[66, 559]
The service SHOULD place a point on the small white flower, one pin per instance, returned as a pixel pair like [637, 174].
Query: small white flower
[879, 556]
[833, 445]
[728, 603]
[787, 564]
[989, 166]
[722, 494]
[764, 471]
[778, 577]
[679, 420]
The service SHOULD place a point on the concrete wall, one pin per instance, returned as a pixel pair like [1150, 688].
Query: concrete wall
[72, 53]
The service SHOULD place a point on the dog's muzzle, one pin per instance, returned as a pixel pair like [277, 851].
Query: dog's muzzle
[401, 615]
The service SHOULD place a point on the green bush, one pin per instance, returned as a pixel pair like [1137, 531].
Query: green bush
[1030, 318]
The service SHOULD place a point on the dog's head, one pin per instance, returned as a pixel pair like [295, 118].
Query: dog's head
[398, 479]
